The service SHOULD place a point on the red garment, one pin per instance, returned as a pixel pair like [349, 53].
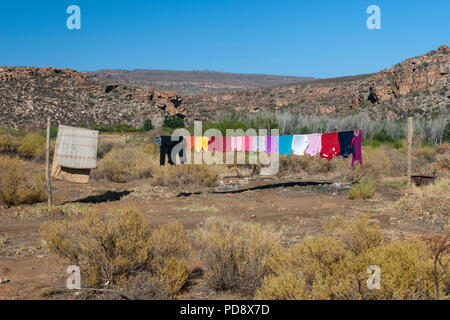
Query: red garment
[220, 144]
[330, 145]
[189, 142]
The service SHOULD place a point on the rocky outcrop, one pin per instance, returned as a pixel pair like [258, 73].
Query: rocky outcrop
[417, 86]
[28, 95]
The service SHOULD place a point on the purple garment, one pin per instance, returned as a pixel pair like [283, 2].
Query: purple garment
[271, 144]
[356, 148]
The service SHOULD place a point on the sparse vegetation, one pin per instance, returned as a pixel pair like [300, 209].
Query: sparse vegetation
[361, 191]
[17, 185]
[118, 248]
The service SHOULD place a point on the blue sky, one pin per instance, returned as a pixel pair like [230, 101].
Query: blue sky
[305, 38]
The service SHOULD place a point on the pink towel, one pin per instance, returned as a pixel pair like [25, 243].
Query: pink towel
[314, 144]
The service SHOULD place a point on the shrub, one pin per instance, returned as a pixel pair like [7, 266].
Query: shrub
[17, 186]
[7, 143]
[334, 266]
[376, 164]
[235, 254]
[147, 125]
[185, 176]
[32, 146]
[430, 203]
[173, 122]
[125, 164]
[110, 251]
[361, 191]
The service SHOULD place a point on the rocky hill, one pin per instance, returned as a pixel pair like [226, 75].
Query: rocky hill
[189, 83]
[417, 86]
[28, 95]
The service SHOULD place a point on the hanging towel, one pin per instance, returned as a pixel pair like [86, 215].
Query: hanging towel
[248, 143]
[345, 143]
[285, 145]
[259, 144]
[271, 144]
[356, 148]
[299, 144]
[240, 143]
[166, 147]
[201, 143]
[314, 144]
[330, 145]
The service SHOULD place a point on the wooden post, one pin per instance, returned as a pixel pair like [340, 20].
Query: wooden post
[410, 132]
[47, 166]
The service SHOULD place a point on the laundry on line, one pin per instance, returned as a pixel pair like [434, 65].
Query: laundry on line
[325, 145]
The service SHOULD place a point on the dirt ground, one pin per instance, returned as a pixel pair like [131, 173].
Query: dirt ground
[296, 205]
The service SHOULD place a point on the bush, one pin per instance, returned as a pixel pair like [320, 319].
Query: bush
[361, 191]
[147, 125]
[17, 186]
[334, 266]
[376, 164]
[235, 254]
[125, 164]
[185, 176]
[113, 251]
[173, 122]
[7, 143]
[32, 146]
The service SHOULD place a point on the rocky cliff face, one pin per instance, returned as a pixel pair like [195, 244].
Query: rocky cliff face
[28, 95]
[417, 86]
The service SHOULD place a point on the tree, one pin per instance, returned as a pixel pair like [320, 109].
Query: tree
[147, 125]
[173, 122]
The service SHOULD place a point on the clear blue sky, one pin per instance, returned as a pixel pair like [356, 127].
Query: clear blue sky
[320, 38]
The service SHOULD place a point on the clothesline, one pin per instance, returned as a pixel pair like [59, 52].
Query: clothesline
[326, 145]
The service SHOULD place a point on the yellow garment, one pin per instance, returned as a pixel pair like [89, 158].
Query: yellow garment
[201, 143]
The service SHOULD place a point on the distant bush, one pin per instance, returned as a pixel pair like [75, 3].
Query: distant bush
[32, 146]
[173, 122]
[125, 164]
[117, 250]
[53, 133]
[235, 254]
[8, 144]
[147, 125]
[185, 176]
[17, 185]
[361, 191]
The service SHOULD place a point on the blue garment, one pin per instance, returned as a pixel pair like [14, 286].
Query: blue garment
[285, 145]
[345, 143]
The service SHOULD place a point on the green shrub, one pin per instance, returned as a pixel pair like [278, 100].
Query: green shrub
[147, 125]
[173, 122]
[361, 191]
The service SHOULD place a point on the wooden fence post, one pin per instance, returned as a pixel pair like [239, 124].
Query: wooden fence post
[410, 132]
[47, 166]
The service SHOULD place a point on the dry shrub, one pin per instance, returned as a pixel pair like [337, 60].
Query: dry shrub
[8, 144]
[430, 203]
[235, 254]
[125, 164]
[185, 176]
[17, 186]
[118, 249]
[376, 164]
[361, 191]
[334, 266]
[311, 165]
[32, 146]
